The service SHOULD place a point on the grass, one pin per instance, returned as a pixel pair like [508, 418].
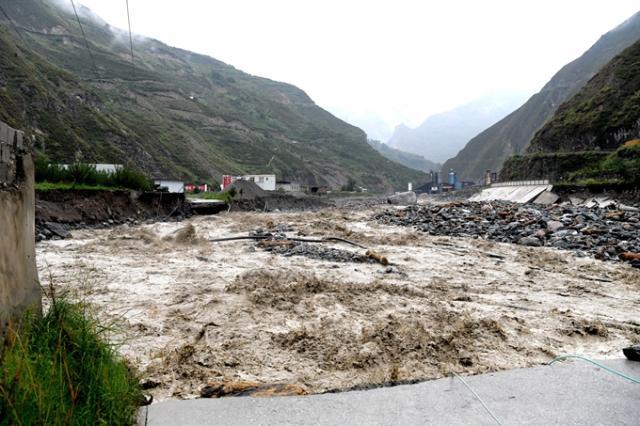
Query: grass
[49, 186]
[58, 369]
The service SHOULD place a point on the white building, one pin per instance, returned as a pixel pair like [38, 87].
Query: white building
[288, 186]
[266, 182]
[100, 167]
[108, 168]
[176, 186]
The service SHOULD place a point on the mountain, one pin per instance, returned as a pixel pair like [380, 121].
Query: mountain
[603, 115]
[594, 134]
[174, 113]
[512, 135]
[441, 136]
[413, 161]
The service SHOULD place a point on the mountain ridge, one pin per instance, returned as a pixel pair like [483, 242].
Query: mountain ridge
[187, 115]
[595, 135]
[413, 161]
[511, 135]
[440, 136]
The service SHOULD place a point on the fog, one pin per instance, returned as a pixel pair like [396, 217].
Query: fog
[380, 63]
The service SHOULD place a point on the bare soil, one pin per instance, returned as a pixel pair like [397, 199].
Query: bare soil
[195, 317]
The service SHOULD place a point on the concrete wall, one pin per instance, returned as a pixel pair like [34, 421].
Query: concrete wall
[19, 284]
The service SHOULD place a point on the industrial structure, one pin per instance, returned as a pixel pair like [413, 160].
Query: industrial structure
[265, 182]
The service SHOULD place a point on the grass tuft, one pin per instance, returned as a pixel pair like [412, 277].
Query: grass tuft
[58, 370]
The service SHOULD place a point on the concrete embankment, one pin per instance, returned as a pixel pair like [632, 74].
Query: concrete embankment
[518, 192]
[19, 285]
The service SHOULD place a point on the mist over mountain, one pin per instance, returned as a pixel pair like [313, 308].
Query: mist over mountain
[512, 135]
[174, 113]
[441, 136]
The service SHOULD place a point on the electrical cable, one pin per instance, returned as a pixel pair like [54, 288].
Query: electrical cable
[13, 24]
[86, 42]
[493, 416]
[133, 65]
[604, 367]
[479, 399]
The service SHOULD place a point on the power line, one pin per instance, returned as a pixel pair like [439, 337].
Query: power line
[86, 42]
[133, 65]
[13, 24]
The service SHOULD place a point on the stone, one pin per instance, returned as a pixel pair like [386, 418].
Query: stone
[58, 230]
[554, 225]
[403, 198]
[632, 353]
[586, 231]
[530, 241]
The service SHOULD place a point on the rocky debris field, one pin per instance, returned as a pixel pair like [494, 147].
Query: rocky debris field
[606, 234]
[204, 319]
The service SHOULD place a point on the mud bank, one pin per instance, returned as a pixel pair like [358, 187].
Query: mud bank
[195, 316]
[280, 202]
[58, 211]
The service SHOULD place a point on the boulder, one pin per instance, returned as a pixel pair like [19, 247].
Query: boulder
[554, 225]
[403, 198]
[530, 241]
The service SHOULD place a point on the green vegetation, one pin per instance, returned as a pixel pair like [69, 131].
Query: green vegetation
[621, 166]
[80, 175]
[58, 370]
[555, 166]
[48, 186]
[585, 168]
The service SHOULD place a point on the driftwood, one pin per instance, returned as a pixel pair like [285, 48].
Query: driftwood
[377, 257]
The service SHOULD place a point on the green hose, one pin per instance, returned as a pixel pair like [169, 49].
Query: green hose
[604, 367]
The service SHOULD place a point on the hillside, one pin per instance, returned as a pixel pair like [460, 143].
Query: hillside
[413, 161]
[512, 135]
[602, 116]
[593, 134]
[441, 136]
[176, 114]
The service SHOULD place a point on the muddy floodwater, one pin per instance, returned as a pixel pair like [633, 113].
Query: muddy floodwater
[188, 313]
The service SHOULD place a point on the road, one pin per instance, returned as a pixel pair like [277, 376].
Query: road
[568, 393]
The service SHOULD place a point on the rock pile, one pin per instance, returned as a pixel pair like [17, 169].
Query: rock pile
[278, 242]
[606, 234]
[321, 253]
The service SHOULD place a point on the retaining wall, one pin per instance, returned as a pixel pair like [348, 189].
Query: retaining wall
[19, 284]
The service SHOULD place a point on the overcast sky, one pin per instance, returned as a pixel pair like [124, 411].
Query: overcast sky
[397, 60]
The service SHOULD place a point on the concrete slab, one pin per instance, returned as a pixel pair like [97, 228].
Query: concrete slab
[569, 393]
[547, 198]
[518, 194]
